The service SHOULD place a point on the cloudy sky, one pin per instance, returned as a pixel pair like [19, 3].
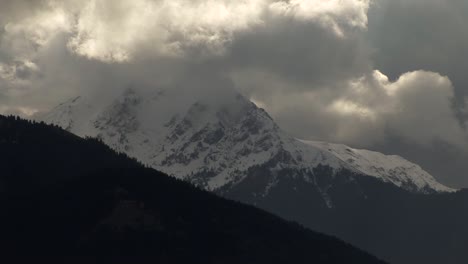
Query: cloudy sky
[387, 75]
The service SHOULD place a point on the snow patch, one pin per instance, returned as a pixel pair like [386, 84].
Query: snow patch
[215, 143]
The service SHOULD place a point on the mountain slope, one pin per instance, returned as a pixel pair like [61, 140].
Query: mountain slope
[215, 142]
[63, 195]
[227, 145]
[388, 168]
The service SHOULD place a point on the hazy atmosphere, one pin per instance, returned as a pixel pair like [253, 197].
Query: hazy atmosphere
[385, 75]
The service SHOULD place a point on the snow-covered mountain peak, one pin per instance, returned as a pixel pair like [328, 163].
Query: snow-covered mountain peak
[217, 141]
[389, 168]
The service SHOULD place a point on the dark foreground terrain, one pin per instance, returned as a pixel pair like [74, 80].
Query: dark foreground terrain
[391, 223]
[63, 195]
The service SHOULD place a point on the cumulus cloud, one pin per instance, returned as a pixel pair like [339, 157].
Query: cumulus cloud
[423, 111]
[421, 34]
[226, 32]
[417, 107]
[18, 71]
[116, 30]
[412, 116]
[333, 14]
[348, 71]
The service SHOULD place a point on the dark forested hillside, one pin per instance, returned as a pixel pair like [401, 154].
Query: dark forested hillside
[393, 224]
[61, 194]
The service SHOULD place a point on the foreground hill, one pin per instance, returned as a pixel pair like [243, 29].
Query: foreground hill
[61, 194]
[383, 204]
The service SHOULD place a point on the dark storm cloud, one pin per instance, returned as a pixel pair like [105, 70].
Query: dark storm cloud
[421, 34]
[319, 67]
[55, 35]
[418, 34]
[430, 35]
[302, 52]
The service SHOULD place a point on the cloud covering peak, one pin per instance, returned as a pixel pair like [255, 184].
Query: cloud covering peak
[328, 70]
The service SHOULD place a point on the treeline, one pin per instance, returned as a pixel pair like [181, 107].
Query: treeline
[64, 195]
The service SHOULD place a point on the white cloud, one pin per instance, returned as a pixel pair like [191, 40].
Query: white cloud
[423, 111]
[18, 110]
[18, 71]
[23, 36]
[115, 30]
[330, 59]
[335, 14]
[416, 107]
[307, 62]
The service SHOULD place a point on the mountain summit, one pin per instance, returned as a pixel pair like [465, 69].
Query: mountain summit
[217, 142]
[224, 143]
[65, 196]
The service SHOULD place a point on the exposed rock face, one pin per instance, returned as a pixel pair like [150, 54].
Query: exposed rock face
[380, 203]
[230, 145]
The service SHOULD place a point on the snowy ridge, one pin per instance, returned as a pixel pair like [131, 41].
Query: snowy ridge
[389, 168]
[214, 142]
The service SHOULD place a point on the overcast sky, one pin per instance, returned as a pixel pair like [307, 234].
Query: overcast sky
[387, 75]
